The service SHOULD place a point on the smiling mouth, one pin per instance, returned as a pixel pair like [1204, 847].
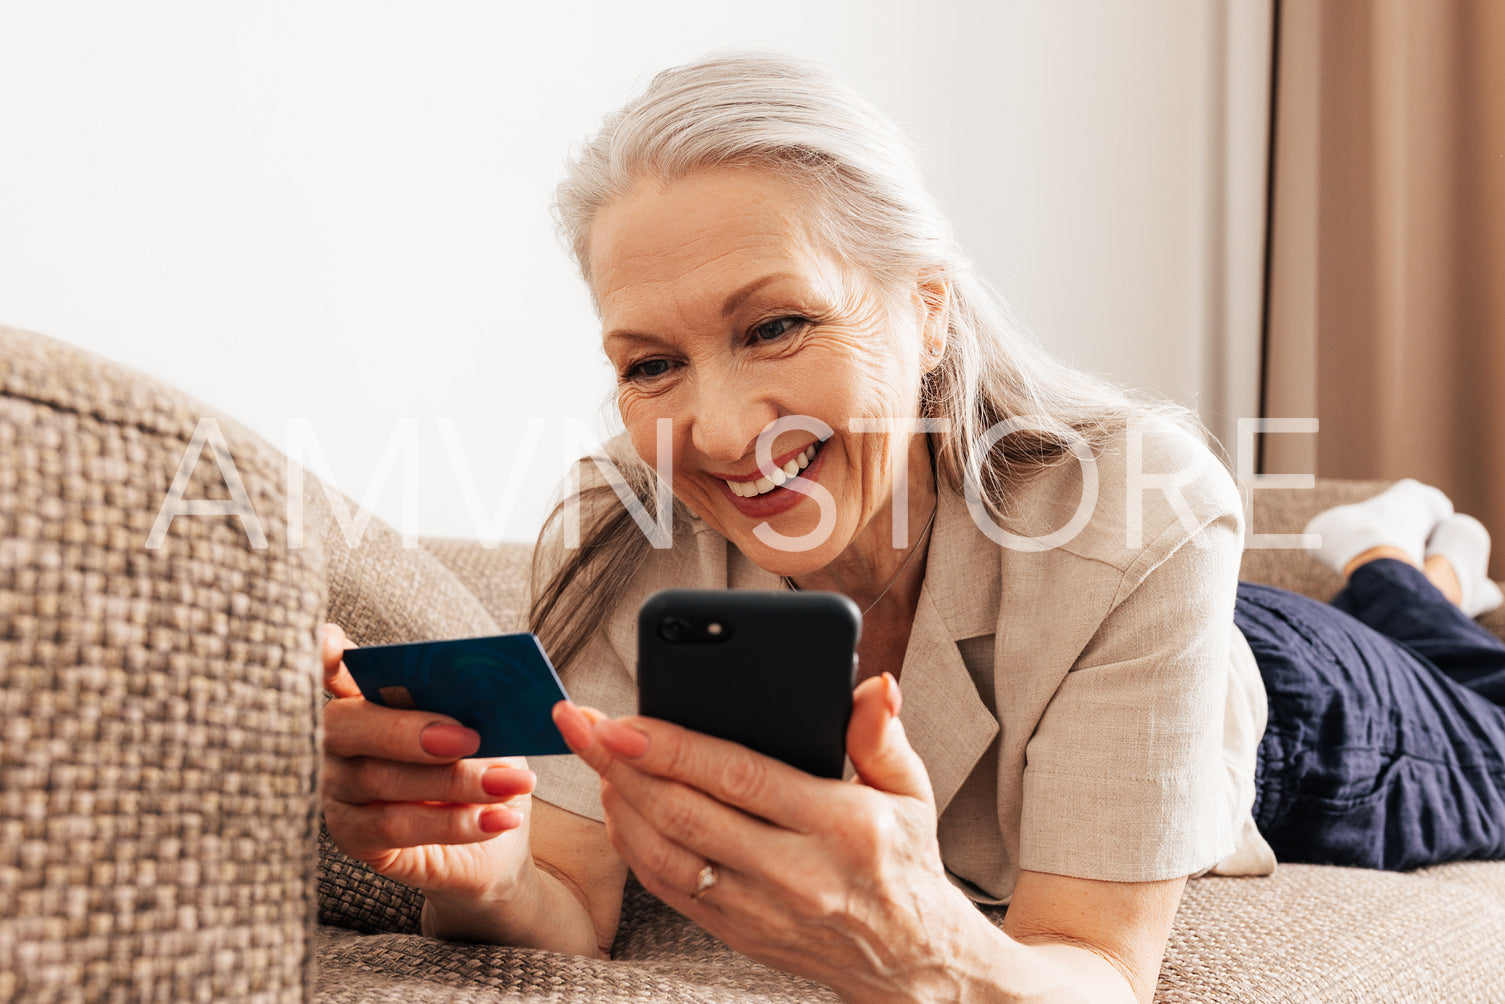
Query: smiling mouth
[764, 485]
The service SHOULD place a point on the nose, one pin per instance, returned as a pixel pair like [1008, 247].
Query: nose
[730, 412]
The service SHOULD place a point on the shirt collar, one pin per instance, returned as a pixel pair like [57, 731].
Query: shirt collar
[944, 717]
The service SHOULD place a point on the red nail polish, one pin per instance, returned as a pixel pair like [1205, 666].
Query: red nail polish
[449, 740]
[505, 781]
[496, 819]
[572, 725]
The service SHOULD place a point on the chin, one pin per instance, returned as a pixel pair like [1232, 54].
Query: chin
[789, 562]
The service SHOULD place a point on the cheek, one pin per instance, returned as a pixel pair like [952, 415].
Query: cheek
[880, 385]
[640, 417]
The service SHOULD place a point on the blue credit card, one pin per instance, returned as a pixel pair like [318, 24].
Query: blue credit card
[503, 687]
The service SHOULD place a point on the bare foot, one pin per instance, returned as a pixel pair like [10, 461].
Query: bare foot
[1375, 554]
[1442, 575]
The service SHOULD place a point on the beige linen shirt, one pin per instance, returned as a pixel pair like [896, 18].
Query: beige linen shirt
[1085, 708]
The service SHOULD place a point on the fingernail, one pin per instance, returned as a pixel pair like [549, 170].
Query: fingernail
[496, 818]
[449, 740]
[621, 739]
[501, 781]
[891, 694]
[572, 725]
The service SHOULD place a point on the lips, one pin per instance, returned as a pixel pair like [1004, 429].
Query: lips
[775, 499]
[762, 485]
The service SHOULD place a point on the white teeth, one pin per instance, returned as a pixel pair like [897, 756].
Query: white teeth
[749, 489]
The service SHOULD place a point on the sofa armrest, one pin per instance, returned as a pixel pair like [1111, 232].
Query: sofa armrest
[158, 706]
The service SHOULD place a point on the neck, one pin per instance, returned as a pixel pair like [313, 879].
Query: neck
[884, 578]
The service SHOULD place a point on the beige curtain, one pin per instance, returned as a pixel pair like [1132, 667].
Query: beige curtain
[1387, 278]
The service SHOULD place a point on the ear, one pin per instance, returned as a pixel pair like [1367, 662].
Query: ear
[933, 300]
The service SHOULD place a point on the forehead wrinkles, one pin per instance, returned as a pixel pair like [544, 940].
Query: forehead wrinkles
[690, 286]
[703, 231]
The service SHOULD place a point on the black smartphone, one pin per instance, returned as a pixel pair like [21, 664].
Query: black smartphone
[773, 671]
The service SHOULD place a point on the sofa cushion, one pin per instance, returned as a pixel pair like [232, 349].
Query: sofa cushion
[658, 956]
[497, 576]
[1313, 933]
[382, 592]
[1307, 934]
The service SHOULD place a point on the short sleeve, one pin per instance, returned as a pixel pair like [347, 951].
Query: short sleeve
[1124, 773]
[594, 677]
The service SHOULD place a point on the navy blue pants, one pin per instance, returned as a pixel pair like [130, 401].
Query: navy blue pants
[1385, 746]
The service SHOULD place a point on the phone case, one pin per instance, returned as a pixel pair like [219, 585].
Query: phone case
[773, 671]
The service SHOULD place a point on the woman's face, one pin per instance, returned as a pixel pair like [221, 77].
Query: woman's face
[721, 314]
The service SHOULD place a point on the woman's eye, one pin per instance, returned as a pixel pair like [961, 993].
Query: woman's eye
[647, 369]
[770, 330]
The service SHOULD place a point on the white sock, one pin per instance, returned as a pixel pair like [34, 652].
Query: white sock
[1402, 516]
[1464, 542]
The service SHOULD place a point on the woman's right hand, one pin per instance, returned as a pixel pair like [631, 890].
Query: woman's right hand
[398, 795]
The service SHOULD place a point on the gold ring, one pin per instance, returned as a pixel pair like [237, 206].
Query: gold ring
[705, 881]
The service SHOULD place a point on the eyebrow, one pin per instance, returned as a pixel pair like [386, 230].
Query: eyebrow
[740, 296]
[730, 306]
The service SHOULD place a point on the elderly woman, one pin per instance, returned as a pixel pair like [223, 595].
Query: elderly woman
[1046, 565]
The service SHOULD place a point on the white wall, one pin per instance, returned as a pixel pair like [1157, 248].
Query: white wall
[338, 212]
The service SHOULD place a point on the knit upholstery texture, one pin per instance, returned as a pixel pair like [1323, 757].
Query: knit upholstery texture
[158, 743]
[1307, 934]
[381, 593]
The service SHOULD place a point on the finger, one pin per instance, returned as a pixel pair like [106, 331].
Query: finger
[370, 831]
[355, 727]
[576, 722]
[877, 745]
[669, 870]
[571, 721]
[728, 772]
[360, 780]
[692, 819]
[337, 679]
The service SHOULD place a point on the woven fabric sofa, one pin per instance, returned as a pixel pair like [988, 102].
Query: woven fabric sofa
[159, 731]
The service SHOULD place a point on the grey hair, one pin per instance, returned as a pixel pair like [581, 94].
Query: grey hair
[869, 206]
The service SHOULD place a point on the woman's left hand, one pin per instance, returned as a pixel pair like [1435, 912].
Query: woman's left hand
[837, 881]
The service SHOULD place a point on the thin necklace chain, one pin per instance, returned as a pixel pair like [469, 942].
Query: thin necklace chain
[907, 559]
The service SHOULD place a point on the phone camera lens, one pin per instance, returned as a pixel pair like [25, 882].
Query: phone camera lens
[673, 629]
